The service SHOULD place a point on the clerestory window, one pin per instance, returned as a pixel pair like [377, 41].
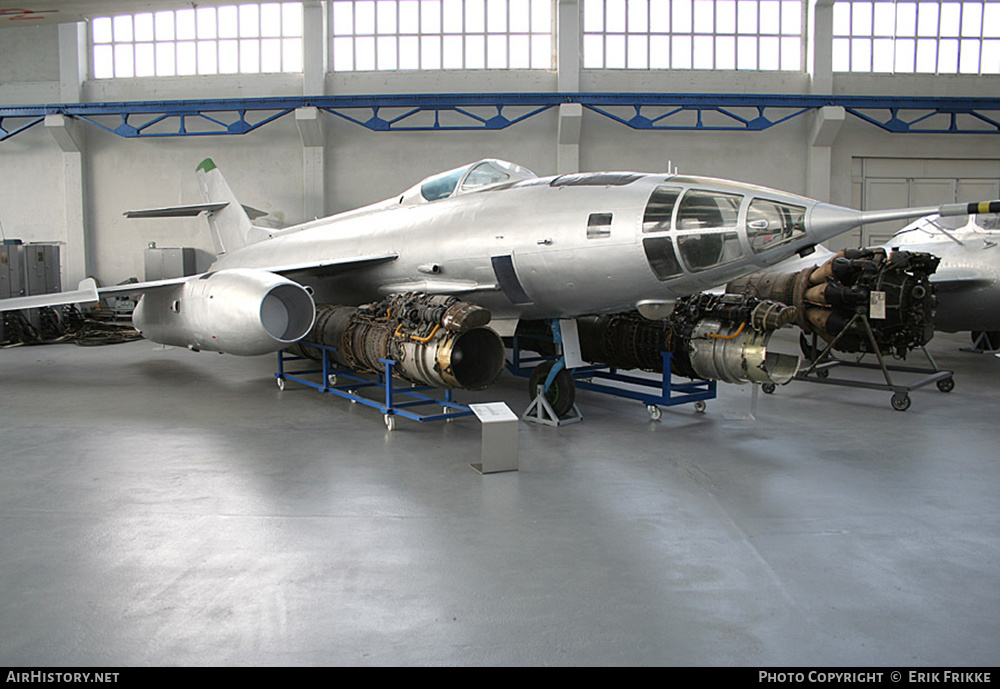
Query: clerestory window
[249, 38]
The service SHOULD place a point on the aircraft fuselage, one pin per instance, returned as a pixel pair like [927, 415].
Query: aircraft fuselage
[556, 247]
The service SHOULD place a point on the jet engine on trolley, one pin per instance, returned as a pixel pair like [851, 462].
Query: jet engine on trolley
[433, 340]
[715, 337]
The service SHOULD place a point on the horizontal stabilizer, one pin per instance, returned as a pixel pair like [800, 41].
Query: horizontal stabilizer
[177, 211]
[84, 294]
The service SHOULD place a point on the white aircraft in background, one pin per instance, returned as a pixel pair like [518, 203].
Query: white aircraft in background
[967, 281]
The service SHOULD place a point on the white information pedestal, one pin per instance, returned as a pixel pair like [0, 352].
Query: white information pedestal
[500, 452]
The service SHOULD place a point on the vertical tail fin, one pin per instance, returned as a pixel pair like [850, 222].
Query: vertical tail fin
[231, 226]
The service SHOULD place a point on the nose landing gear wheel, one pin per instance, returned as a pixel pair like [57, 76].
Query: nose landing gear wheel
[561, 394]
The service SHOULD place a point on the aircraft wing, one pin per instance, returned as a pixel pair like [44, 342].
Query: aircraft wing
[85, 293]
[88, 292]
[301, 269]
[297, 271]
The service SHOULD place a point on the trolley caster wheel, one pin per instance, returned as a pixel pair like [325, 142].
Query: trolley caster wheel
[700, 406]
[900, 401]
[768, 388]
[353, 392]
[280, 382]
[946, 384]
[822, 373]
[390, 421]
[654, 412]
[331, 379]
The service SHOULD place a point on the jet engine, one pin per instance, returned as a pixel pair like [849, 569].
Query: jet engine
[434, 340]
[238, 311]
[894, 290]
[716, 337]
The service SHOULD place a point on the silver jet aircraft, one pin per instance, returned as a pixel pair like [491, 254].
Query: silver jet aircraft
[432, 264]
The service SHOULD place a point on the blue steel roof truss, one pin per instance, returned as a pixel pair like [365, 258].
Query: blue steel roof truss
[8, 130]
[187, 123]
[492, 112]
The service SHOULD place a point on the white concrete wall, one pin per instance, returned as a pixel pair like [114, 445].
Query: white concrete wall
[269, 169]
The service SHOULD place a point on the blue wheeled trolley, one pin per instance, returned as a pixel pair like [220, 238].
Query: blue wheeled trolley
[656, 391]
[348, 383]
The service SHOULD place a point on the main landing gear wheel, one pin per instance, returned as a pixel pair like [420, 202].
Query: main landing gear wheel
[946, 384]
[562, 392]
[900, 401]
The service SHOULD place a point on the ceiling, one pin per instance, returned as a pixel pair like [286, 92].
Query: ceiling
[14, 13]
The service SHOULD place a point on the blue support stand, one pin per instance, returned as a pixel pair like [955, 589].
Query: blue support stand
[655, 391]
[332, 380]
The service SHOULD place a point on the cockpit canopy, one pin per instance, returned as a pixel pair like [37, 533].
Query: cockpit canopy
[465, 179]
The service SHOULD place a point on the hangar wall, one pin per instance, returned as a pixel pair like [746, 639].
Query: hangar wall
[47, 188]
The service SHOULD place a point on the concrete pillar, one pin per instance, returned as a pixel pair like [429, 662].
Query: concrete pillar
[568, 154]
[314, 42]
[310, 124]
[568, 45]
[568, 77]
[825, 128]
[72, 61]
[819, 46]
[72, 73]
[74, 260]
[309, 120]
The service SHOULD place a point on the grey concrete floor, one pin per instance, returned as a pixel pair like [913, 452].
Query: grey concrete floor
[159, 507]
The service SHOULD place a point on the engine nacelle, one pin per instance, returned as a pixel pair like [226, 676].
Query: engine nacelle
[239, 311]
